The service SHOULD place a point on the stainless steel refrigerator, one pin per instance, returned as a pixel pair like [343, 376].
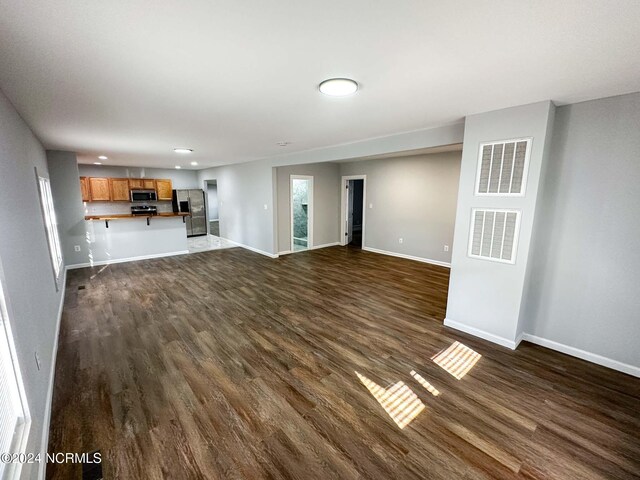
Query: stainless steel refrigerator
[191, 201]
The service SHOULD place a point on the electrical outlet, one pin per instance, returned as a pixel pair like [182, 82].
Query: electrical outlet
[76, 248]
[371, 205]
[37, 360]
[446, 248]
[400, 240]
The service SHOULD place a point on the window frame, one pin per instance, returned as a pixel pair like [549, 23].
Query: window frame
[18, 394]
[50, 227]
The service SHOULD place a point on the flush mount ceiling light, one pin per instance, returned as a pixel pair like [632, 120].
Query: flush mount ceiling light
[338, 87]
[102, 157]
[194, 163]
[183, 150]
[97, 163]
[178, 167]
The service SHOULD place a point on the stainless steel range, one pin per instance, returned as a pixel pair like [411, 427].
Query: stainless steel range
[144, 210]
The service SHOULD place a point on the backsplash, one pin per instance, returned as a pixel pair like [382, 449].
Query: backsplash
[106, 208]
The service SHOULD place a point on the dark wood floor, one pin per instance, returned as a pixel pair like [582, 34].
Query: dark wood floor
[228, 364]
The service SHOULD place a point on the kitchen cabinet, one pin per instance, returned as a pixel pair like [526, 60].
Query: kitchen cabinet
[135, 183]
[84, 188]
[149, 184]
[119, 189]
[164, 189]
[99, 189]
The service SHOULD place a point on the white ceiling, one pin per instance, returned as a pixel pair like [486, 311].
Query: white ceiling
[134, 79]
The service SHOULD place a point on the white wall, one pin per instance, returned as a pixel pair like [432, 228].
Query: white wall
[485, 296]
[67, 200]
[413, 198]
[244, 189]
[585, 285]
[33, 301]
[326, 202]
[132, 238]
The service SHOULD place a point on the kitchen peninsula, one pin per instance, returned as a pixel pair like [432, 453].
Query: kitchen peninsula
[98, 221]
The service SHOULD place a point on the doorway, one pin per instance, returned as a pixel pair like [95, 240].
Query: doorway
[353, 210]
[301, 200]
[213, 210]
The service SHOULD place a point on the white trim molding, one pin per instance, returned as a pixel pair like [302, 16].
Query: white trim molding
[408, 257]
[324, 245]
[584, 355]
[315, 247]
[52, 376]
[476, 332]
[344, 206]
[123, 260]
[253, 249]
[310, 194]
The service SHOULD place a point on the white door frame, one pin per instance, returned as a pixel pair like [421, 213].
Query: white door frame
[344, 209]
[309, 210]
[205, 188]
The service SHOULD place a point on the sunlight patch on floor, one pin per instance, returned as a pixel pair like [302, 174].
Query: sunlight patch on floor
[457, 360]
[421, 380]
[399, 401]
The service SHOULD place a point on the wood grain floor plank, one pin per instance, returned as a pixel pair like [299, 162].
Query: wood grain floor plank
[231, 365]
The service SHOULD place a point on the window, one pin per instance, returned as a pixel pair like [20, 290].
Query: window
[51, 226]
[494, 234]
[13, 416]
[502, 168]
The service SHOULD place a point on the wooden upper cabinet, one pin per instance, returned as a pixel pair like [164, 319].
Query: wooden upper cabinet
[148, 184]
[164, 189]
[99, 189]
[119, 189]
[135, 183]
[84, 188]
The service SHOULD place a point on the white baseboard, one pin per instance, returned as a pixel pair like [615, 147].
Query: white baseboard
[559, 347]
[505, 342]
[324, 245]
[314, 247]
[129, 259]
[584, 355]
[519, 339]
[408, 257]
[52, 374]
[253, 249]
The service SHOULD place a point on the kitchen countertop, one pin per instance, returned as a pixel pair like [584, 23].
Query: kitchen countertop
[118, 216]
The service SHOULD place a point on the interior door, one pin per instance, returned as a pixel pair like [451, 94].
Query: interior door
[350, 211]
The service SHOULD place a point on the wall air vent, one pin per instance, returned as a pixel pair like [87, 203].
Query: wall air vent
[494, 234]
[502, 167]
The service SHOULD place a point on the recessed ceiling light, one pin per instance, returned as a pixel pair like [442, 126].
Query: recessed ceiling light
[178, 167]
[338, 87]
[183, 150]
[194, 163]
[97, 163]
[102, 157]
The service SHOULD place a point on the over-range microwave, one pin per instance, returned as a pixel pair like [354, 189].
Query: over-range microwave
[143, 196]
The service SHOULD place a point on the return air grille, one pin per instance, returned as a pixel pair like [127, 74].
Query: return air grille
[494, 234]
[502, 167]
